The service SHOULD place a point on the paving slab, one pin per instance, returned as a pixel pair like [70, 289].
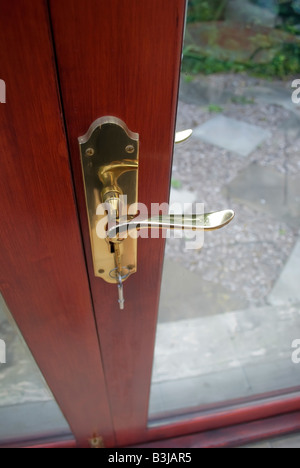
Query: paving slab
[20, 379]
[185, 295]
[182, 200]
[286, 289]
[268, 190]
[232, 135]
[273, 94]
[286, 442]
[189, 348]
[245, 12]
[271, 376]
[32, 421]
[225, 356]
[198, 391]
[156, 405]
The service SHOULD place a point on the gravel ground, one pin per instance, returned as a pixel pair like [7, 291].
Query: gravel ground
[247, 256]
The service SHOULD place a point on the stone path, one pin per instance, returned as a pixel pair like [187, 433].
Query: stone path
[232, 135]
[229, 313]
[27, 407]
[216, 358]
[20, 379]
[32, 421]
[287, 287]
[187, 295]
[267, 190]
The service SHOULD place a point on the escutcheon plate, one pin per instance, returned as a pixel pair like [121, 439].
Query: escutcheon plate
[108, 141]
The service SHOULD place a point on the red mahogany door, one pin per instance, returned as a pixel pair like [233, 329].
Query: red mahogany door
[43, 276]
[122, 58]
[65, 64]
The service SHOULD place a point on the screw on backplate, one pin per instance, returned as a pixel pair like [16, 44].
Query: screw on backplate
[89, 152]
[129, 149]
[96, 442]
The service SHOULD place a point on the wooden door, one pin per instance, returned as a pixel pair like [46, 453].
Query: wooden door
[43, 273]
[122, 58]
[66, 64]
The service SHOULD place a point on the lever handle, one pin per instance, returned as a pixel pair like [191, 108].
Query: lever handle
[110, 173]
[110, 161]
[205, 222]
[182, 136]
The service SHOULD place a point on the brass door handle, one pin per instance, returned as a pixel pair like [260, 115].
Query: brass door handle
[109, 176]
[180, 137]
[109, 158]
[205, 222]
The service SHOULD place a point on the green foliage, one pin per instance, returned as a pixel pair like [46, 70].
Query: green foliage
[205, 10]
[242, 100]
[176, 184]
[196, 62]
[215, 108]
[188, 78]
[288, 12]
[285, 62]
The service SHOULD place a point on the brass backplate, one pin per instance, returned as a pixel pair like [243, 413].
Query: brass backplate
[107, 141]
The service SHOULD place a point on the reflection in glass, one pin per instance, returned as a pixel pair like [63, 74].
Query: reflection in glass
[27, 408]
[230, 312]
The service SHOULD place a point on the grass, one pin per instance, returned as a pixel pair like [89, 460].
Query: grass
[176, 184]
[285, 63]
[214, 108]
[242, 100]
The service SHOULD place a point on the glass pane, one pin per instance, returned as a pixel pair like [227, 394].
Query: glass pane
[28, 410]
[230, 312]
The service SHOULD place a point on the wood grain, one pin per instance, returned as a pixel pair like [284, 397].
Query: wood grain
[122, 58]
[43, 274]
